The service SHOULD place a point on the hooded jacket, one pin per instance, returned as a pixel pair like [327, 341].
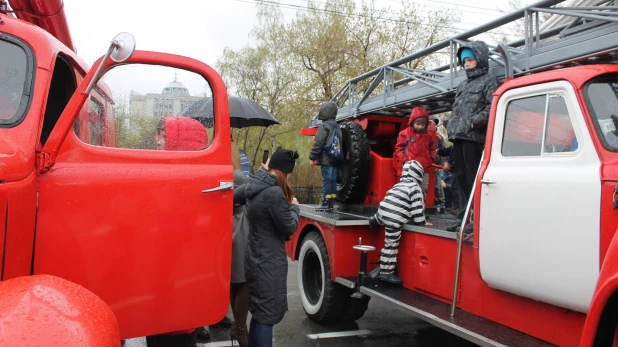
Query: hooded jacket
[184, 134]
[404, 202]
[328, 113]
[473, 99]
[272, 220]
[413, 145]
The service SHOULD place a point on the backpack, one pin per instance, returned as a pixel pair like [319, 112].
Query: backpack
[333, 150]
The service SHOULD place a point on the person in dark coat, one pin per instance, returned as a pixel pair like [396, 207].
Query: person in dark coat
[239, 296]
[467, 125]
[273, 214]
[328, 113]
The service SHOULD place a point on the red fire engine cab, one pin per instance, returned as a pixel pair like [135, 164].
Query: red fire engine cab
[98, 242]
[541, 266]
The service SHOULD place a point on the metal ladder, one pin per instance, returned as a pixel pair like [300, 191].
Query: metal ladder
[590, 38]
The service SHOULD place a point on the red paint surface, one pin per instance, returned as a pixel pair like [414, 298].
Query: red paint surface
[382, 178]
[151, 251]
[427, 264]
[48, 15]
[49, 311]
[308, 131]
[21, 200]
[17, 144]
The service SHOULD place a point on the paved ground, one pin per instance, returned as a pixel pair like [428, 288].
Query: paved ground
[387, 325]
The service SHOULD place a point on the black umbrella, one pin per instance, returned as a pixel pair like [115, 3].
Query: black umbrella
[243, 113]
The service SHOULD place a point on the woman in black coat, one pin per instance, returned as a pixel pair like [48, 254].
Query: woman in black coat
[273, 214]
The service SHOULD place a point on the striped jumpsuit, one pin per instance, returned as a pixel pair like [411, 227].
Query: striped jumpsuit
[403, 203]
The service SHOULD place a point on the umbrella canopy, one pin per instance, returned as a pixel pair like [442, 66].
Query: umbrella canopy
[243, 113]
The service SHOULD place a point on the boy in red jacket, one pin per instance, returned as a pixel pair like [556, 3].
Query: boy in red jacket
[415, 143]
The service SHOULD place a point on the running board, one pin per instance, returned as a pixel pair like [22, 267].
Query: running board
[465, 325]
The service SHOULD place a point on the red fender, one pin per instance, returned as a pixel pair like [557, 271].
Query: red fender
[46, 310]
[607, 284]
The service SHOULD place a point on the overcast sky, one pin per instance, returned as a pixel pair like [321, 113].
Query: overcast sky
[201, 29]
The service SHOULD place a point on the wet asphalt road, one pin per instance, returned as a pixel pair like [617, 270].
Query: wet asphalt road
[388, 325]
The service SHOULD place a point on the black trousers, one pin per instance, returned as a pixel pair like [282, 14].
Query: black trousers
[467, 158]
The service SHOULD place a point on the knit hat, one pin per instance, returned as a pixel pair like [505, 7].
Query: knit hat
[283, 160]
[466, 53]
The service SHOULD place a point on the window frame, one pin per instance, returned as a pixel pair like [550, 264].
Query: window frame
[28, 88]
[546, 93]
[597, 128]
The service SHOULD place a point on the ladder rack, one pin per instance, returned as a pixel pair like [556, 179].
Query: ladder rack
[590, 38]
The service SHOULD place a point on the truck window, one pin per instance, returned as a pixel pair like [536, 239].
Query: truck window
[96, 122]
[129, 107]
[61, 89]
[16, 70]
[538, 125]
[601, 95]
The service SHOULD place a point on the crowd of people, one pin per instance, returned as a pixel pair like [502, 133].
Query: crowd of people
[418, 148]
[266, 213]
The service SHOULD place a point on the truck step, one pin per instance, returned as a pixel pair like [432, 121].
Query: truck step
[465, 325]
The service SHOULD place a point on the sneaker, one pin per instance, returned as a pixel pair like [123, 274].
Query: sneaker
[324, 207]
[390, 278]
[373, 223]
[331, 202]
[441, 208]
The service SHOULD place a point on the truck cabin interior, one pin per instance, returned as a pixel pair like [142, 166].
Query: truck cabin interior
[62, 87]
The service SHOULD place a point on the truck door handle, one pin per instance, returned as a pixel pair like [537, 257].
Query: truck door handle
[484, 181]
[222, 186]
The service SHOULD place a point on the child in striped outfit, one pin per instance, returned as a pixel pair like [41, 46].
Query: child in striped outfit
[403, 203]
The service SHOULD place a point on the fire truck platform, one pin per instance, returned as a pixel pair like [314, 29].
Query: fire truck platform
[466, 325]
[352, 215]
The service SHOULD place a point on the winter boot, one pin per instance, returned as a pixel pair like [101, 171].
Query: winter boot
[332, 201]
[326, 204]
[390, 278]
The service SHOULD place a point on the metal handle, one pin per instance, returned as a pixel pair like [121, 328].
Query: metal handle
[488, 182]
[222, 186]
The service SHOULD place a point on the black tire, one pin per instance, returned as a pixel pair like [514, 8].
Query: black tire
[353, 174]
[322, 299]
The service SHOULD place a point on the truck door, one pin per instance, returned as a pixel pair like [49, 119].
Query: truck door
[143, 224]
[540, 199]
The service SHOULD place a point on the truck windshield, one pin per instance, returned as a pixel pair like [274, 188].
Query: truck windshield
[601, 96]
[14, 95]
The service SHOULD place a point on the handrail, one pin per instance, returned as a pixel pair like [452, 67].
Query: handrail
[460, 239]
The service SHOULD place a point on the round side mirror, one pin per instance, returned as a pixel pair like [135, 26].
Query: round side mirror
[124, 46]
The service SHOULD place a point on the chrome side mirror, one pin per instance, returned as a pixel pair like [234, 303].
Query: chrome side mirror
[120, 49]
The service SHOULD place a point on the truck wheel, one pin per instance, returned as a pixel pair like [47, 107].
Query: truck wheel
[352, 175]
[322, 298]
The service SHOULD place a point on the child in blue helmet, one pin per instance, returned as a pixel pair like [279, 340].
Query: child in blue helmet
[467, 124]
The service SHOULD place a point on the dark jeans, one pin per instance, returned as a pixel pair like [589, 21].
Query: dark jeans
[467, 157]
[329, 180]
[260, 335]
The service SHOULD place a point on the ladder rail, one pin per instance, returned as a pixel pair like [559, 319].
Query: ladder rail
[442, 81]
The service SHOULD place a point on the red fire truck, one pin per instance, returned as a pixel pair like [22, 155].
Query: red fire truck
[541, 266]
[75, 270]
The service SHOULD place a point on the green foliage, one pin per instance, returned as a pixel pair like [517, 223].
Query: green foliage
[296, 65]
[133, 132]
